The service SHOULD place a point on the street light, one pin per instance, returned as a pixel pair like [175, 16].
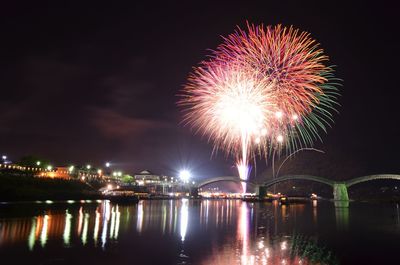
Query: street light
[88, 166]
[71, 168]
[4, 157]
[108, 164]
[184, 175]
[49, 168]
[38, 163]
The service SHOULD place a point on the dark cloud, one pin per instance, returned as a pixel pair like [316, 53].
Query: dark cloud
[116, 125]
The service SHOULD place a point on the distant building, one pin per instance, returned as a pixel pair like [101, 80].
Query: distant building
[146, 177]
[157, 184]
[59, 173]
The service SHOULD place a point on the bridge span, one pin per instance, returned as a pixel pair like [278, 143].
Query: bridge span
[339, 187]
[340, 193]
[223, 178]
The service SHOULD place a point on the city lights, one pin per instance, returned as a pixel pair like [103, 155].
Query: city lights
[184, 175]
[117, 174]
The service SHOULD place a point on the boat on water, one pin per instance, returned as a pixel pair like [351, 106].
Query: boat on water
[256, 199]
[123, 199]
[121, 196]
[283, 200]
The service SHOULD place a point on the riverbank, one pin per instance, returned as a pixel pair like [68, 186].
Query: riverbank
[29, 188]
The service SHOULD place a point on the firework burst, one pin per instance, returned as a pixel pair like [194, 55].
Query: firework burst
[263, 89]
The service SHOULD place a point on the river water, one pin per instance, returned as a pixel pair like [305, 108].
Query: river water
[198, 232]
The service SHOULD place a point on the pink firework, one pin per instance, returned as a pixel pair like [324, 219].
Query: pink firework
[263, 89]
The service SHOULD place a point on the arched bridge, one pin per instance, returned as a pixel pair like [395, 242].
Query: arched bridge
[223, 178]
[355, 181]
[299, 177]
[339, 187]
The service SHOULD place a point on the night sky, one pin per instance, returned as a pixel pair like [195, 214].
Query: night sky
[98, 82]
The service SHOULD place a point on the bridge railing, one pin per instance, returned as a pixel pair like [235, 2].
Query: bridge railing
[299, 177]
[223, 178]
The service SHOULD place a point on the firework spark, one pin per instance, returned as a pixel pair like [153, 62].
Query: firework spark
[263, 89]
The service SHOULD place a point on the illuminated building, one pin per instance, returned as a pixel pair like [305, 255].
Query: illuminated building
[146, 177]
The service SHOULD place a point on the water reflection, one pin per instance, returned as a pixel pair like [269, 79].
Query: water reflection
[184, 218]
[188, 231]
[139, 223]
[67, 228]
[69, 225]
[101, 222]
[85, 229]
[243, 231]
[43, 235]
[398, 215]
[258, 242]
[32, 238]
[74, 225]
[315, 211]
[342, 218]
[96, 227]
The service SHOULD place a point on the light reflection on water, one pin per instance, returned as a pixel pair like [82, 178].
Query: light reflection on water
[184, 218]
[103, 221]
[198, 232]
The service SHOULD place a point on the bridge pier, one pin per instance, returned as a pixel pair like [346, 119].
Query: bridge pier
[194, 192]
[340, 195]
[261, 192]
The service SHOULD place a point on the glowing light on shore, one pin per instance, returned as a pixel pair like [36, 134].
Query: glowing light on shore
[185, 175]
